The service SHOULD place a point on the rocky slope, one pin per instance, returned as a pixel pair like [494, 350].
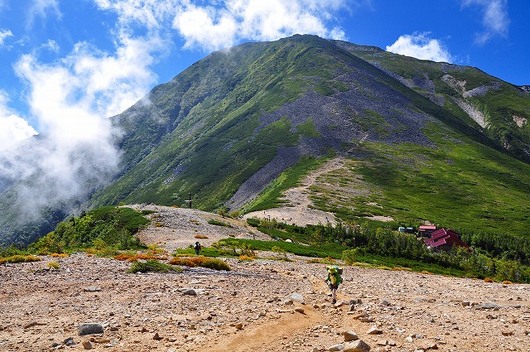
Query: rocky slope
[260, 305]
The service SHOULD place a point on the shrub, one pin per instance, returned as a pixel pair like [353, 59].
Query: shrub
[350, 255]
[155, 249]
[53, 265]
[152, 266]
[132, 257]
[201, 237]
[246, 258]
[281, 254]
[19, 258]
[218, 223]
[211, 263]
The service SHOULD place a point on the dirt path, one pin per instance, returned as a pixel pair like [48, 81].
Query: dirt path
[269, 335]
[299, 209]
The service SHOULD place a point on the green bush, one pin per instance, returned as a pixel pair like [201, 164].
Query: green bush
[350, 256]
[218, 223]
[205, 262]
[105, 229]
[152, 266]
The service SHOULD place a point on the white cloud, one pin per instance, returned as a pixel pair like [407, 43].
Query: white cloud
[495, 18]
[13, 129]
[4, 33]
[204, 27]
[72, 98]
[41, 9]
[75, 152]
[418, 45]
[212, 28]
[212, 25]
[152, 14]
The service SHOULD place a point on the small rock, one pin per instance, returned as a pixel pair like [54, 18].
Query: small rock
[356, 346]
[374, 330]
[89, 329]
[487, 306]
[297, 297]
[69, 341]
[338, 347]
[507, 333]
[189, 292]
[350, 336]
[238, 326]
[157, 337]
[87, 345]
[429, 346]
[299, 310]
[384, 302]
[355, 301]
[382, 342]
[92, 289]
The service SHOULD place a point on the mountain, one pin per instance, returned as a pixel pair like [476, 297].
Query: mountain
[419, 140]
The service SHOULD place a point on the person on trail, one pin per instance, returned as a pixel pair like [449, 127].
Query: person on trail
[333, 280]
[197, 248]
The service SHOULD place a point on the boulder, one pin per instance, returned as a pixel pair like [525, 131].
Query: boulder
[350, 336]
[89, 329]
[356, 346]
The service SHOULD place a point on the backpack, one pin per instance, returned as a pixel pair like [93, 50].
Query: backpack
[334, 274]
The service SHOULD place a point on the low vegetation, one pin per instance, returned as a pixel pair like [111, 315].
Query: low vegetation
[152, 266]
[387, 248]
[202, 261]
[104, 230]
[19, 258]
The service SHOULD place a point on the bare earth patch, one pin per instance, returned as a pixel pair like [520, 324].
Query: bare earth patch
[173, 228]
[252, 308]
[260, 305]
[298, 209]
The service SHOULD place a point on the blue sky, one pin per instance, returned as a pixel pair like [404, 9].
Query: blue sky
[66, 65]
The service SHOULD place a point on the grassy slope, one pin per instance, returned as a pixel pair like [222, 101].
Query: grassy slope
[410, 182]
[465, 186]
[500, 104]
[220, 142]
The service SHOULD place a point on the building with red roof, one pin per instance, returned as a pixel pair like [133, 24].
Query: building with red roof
[426, 230]
[444, 239]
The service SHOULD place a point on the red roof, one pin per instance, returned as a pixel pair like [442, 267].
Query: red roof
[427, 227]
[444, 237]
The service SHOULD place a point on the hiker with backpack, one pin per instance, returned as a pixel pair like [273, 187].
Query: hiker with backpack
[334, 279]
[197, 247]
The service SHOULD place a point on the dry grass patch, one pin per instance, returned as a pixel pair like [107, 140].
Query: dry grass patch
[133, 257]
[246, 258]
[20, 258]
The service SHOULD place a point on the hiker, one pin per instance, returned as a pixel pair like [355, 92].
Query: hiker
[333, 280]
[197, 248]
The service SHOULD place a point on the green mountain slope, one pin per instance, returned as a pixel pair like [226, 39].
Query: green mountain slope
[500, 109]
[232, 123]
[429, 140]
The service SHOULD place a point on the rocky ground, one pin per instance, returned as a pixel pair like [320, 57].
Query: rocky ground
[260, 305]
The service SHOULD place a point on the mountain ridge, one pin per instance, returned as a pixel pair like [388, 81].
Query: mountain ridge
[229, 126]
